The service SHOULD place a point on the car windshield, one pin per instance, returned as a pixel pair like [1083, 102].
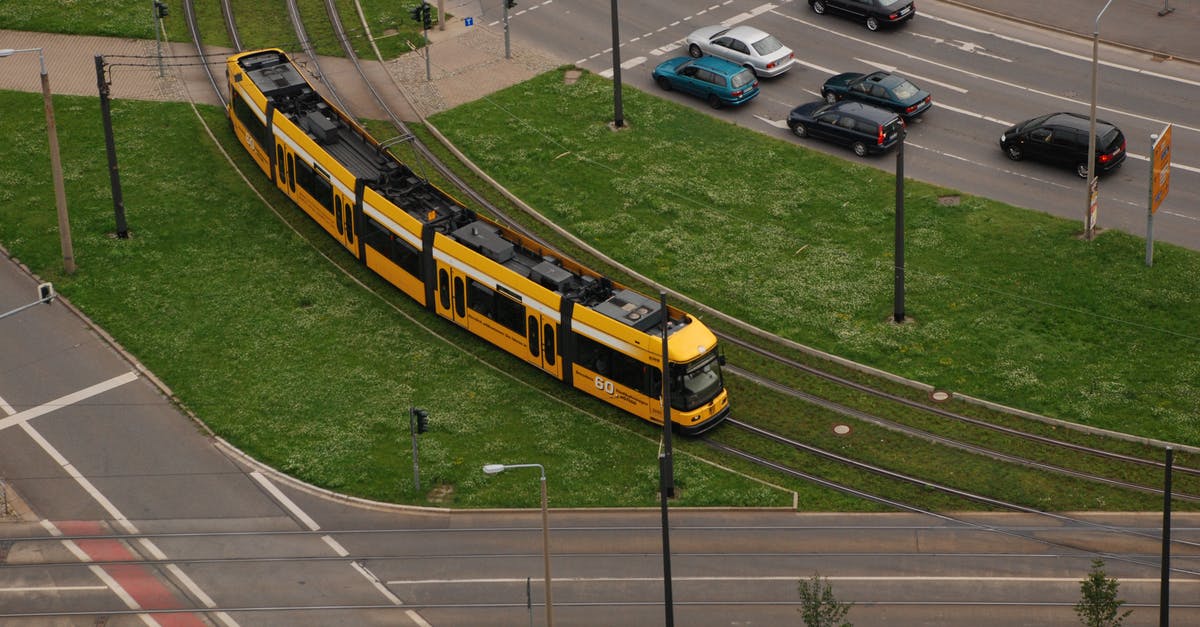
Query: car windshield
[741, 79]
[700, 383]
[904, 90]
[1035, 122]
[767, 45]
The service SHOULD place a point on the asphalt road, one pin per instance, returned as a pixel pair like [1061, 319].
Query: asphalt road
[132, 515]
[985, 74]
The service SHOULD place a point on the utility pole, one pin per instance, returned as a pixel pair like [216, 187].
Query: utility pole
[898, 291]
[56, 169]
[618, 114]
[114, 174]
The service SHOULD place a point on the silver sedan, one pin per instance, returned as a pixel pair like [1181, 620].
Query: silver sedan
[761, 52]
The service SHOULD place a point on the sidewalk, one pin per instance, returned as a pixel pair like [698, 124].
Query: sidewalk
[1133, 24]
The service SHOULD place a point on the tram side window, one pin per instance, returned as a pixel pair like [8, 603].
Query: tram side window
[510, 313]
[498, 307]
[246, 116]
[315, 183]
[391, 246]
[616, 365]
[479, 299]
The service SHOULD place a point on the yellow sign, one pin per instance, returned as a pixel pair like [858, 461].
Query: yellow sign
[1160, 169]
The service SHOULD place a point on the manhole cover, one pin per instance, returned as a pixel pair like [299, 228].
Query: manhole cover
[949, 201]
[841, 429]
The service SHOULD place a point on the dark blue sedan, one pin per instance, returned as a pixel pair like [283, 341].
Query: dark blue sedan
[717, 81]
[879, 89]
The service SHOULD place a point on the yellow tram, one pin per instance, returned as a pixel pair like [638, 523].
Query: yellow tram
[571, 322]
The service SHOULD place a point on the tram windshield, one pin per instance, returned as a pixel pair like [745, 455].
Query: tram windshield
[699, 383]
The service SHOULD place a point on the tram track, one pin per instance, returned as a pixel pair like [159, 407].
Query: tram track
[856, 387]
[1056, 455]
[988, 501]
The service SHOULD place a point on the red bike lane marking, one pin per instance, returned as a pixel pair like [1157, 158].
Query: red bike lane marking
[140, 581]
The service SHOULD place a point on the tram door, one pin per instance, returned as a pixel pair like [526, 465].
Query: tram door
[343, 216]
[451, 294]
[541, 333]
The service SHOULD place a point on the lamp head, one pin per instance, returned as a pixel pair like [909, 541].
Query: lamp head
[492, 469]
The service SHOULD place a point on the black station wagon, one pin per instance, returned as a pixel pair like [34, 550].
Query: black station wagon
[865, 129]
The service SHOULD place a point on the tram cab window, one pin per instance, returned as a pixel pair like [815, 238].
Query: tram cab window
[696, 385]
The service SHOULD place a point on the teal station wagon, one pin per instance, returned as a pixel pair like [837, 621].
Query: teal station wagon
[717, 81]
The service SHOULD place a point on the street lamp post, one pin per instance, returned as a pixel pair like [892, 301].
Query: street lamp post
[1088, 226]
[492, 469]
[60, 194]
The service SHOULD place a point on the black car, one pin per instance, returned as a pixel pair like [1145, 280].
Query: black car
[873, 13]
[1062, 138]
[878, 89]
[865, 129]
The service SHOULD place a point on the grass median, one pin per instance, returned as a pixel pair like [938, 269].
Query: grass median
[1004, 303]
[282, 345]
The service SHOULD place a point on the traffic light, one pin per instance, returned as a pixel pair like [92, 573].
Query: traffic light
[160, 9]
[422, 419]
[510, 3]
[416, 12]
[426, 15]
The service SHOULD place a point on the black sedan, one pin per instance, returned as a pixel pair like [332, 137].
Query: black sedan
[879, 89]
[873, 13]
[865, 129]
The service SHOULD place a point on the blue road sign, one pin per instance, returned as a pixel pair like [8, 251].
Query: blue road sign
[468, 21]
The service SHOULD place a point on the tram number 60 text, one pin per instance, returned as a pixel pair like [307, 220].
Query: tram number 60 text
[605, 385]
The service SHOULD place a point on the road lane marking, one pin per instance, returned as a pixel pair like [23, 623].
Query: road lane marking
[965, 46]
[52, 589]
[312, 525]
[15, 418]
[792, 578]
[287, 503]
[1010, 84]
[1064, 53]
[22, 419]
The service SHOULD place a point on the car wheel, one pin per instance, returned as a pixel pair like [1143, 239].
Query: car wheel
[663, 82]
[1014, 152]
[799, 130]
[872, 23]
[714, 101]
[818, 7]
[1081, 170]
[830, 97]
[859, 149]
[695, 51]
